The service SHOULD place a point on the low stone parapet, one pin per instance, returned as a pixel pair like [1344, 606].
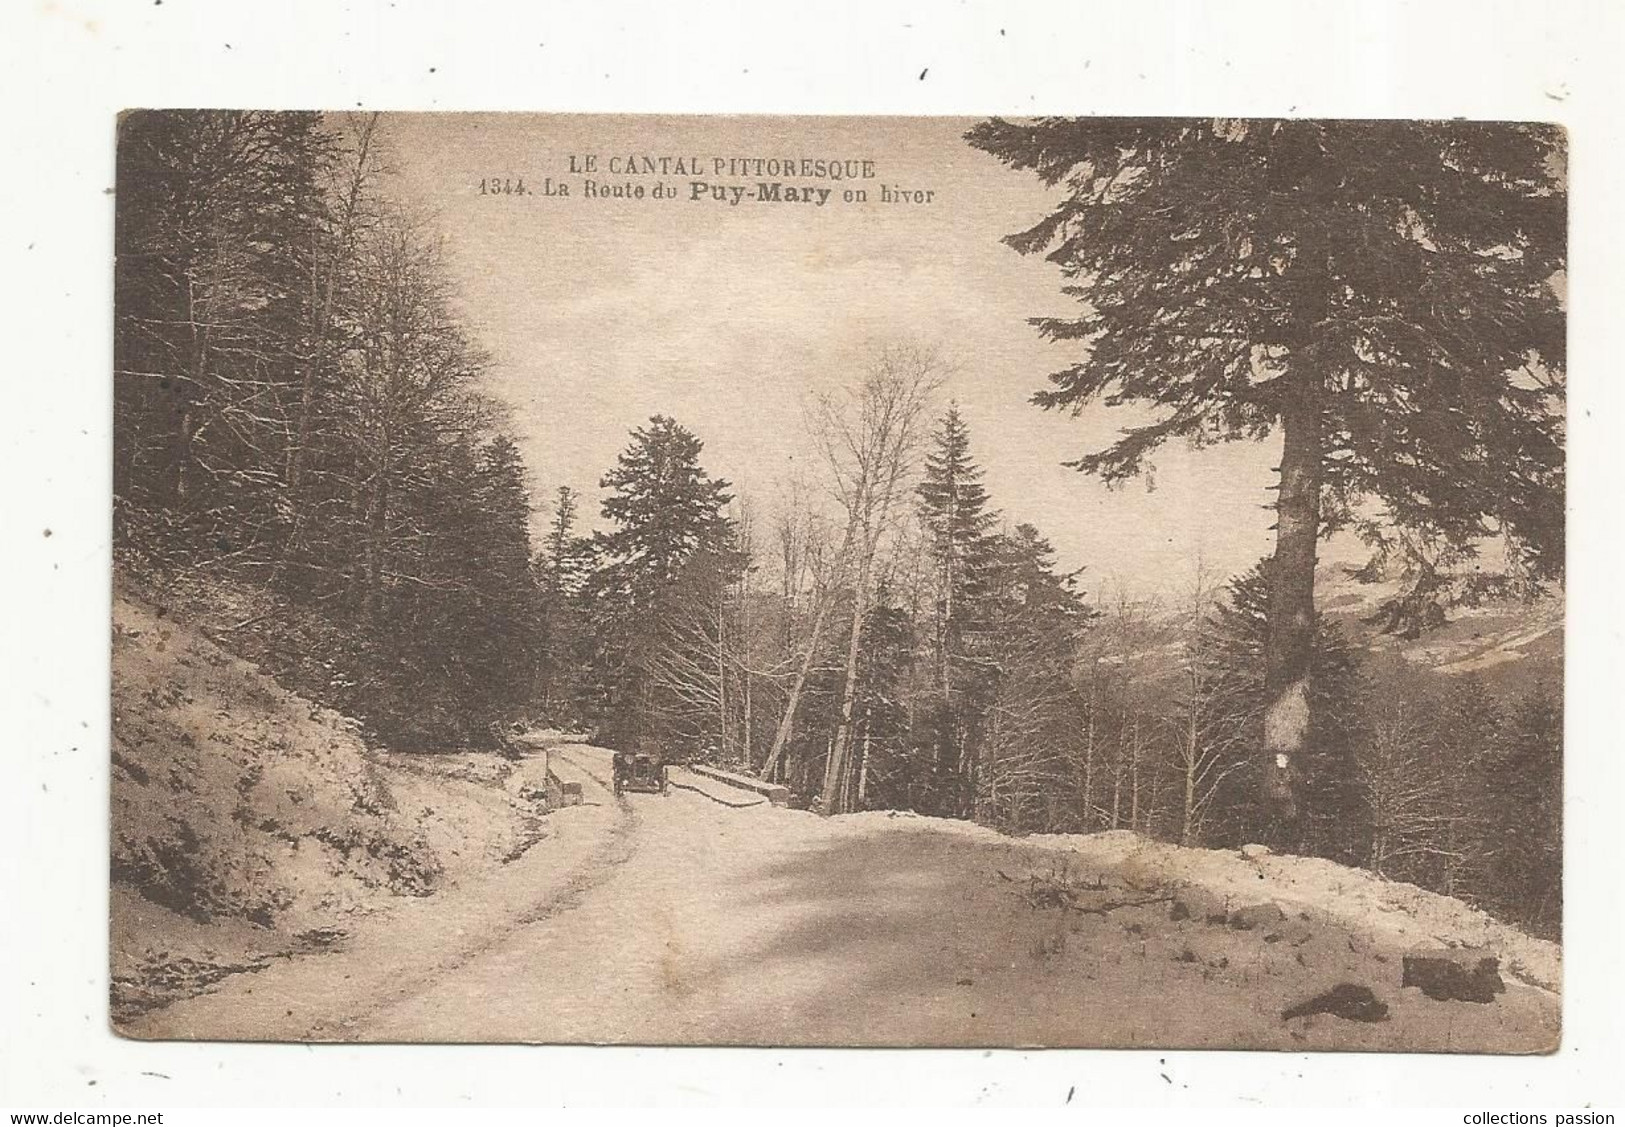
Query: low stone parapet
[775, 793]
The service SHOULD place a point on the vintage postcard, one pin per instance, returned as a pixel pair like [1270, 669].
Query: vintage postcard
[839, 581]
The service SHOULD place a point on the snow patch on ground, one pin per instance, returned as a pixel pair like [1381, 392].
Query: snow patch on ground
[250, 824]
[1394, 915]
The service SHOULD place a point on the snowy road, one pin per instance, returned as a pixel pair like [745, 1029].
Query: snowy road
[678, 919]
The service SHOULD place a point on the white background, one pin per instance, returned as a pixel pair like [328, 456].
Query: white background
[69, 65]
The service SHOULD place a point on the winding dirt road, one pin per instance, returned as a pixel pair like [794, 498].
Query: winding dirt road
[680, 919]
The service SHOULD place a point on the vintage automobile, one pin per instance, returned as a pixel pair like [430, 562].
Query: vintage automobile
[643, 771]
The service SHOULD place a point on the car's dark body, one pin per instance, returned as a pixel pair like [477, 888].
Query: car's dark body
[642, 771]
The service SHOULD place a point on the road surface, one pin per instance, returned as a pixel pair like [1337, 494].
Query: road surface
[682, 919]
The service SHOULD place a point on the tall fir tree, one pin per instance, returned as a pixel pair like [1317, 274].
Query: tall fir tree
[563, 647]
[887, 773]
[663, 507]
[566, 556]
[1383, 295]
[953, 507]
[665, 510]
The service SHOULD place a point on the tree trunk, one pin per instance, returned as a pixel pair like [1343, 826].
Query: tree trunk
[377, 526]
[1117, 785]
[1187, 825]
[722, 674]
[1134, 775]
[186, 395]
[1289, 648]
[835, 766]
[1089, 765]
[787, 722]
[945, 629]
[749, 737]
[321, 315]
[863, 762]
[1290, 636]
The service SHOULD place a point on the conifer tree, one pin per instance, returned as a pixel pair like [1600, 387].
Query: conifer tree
[1525, 845]
[299, 413]
[561, 570]
[954, 508]
[564, 553]
[499, 636]
[1382, 295]
[663, 507]
[212, 316]
[665, 511]
[1028, 730]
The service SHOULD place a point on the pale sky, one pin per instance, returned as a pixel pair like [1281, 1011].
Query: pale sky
[601, 312]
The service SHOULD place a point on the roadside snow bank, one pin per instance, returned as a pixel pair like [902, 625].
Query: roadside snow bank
[1389, 913]
[249, 823]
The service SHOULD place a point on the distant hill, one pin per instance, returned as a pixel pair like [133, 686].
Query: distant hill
[1510, 645]
[1507, 643]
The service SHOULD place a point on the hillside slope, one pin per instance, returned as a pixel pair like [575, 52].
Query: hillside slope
[249, 823]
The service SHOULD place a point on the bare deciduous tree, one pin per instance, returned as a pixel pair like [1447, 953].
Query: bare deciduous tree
[1415, 814]
[1209, 727]
[870, 435]
[808, 554]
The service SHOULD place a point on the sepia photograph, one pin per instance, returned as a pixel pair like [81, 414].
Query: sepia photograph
[911, 581]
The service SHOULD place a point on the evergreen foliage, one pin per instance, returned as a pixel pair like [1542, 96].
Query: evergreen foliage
[1382, 294]
[299, 413]
[660, 569]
